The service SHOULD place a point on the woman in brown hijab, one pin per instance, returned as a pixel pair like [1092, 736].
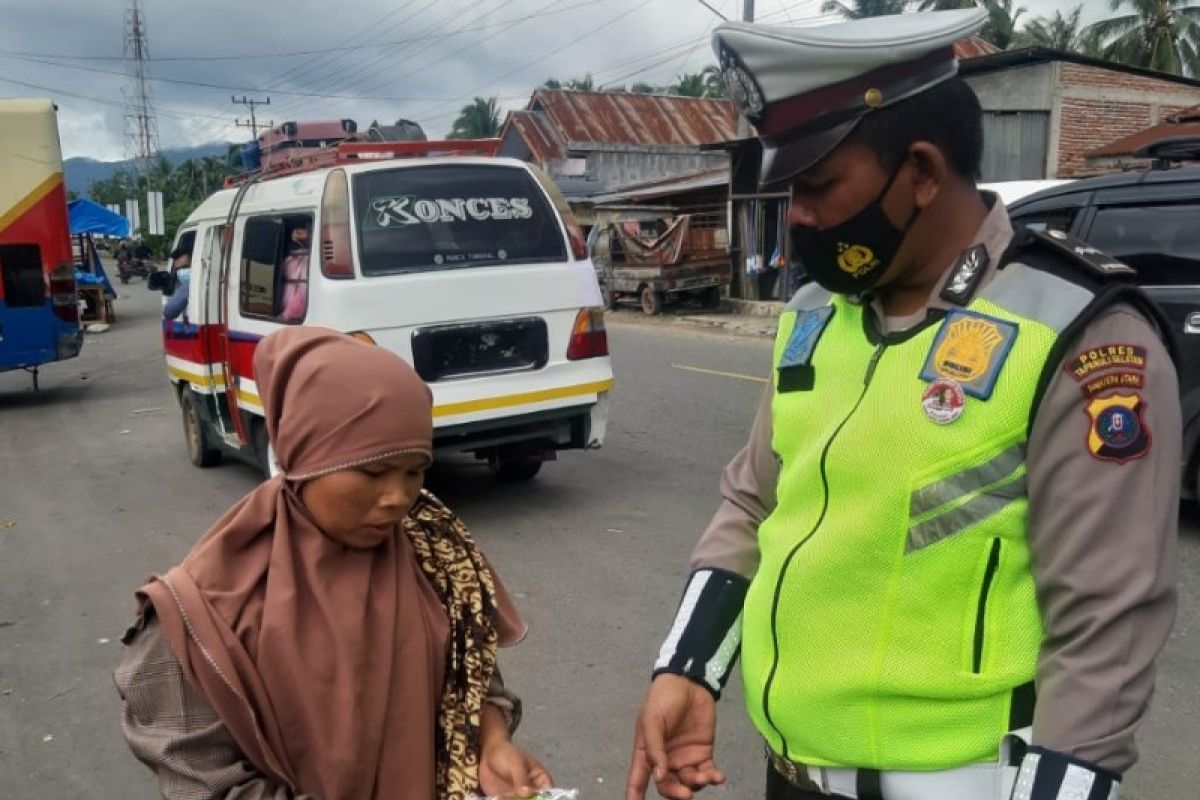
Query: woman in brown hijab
[334, 635]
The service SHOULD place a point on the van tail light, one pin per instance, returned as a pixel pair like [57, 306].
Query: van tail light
[588, 337]
[63, 296]
[336, 258]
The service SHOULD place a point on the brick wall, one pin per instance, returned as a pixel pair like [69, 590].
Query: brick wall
[1098, 106]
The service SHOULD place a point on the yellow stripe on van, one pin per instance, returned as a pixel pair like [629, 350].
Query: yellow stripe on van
[30, 200]
[191, 377]
[506, 401]
[249, 397]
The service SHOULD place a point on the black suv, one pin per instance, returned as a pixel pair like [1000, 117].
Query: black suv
[1151, 221]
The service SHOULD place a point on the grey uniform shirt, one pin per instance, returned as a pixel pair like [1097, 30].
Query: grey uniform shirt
[1101, 533]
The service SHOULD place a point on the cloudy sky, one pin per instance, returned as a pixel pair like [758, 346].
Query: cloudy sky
[362, 59]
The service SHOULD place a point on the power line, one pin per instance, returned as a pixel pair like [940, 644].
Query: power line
[713, 10]
[296, 53]
[225, 87]
[54, 92]
[544, 56]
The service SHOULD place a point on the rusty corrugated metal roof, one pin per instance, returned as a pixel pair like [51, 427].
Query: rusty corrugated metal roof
[537, 135]
[635, 119]
[973, 47]
[1185, 123]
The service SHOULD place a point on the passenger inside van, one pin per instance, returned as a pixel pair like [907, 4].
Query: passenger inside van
[294, 302]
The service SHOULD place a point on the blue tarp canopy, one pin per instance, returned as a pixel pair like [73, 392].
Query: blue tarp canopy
[89, 217]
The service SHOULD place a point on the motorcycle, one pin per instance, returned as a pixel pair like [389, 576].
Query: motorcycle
[134, 266]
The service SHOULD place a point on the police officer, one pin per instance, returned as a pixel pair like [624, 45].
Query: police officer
[945, 554]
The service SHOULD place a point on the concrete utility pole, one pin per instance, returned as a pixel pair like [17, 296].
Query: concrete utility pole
[246, 101]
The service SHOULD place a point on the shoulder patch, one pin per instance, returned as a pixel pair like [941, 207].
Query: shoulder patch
[1118, 430]
[964, 279]
[1083, 254]
[803, 341]
[1121, 379]
[970, 349]
[1109, 356]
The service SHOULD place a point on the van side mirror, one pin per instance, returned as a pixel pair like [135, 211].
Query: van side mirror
[161, 281]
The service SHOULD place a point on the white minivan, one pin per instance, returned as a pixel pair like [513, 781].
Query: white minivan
[470, 268]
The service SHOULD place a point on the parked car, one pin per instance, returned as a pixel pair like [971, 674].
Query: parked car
[1150, 220]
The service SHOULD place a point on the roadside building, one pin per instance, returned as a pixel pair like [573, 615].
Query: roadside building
[1047, 112]
[596, 142]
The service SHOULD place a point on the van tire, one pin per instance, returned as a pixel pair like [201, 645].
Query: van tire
[199, 444]
[261, 444]
[652, 301]
[517, 469]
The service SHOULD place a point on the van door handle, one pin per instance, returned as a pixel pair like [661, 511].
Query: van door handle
[1191, 325]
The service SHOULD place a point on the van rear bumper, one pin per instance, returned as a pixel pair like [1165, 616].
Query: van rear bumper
[572, 428]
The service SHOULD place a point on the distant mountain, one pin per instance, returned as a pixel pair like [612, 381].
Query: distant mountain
[81, 172]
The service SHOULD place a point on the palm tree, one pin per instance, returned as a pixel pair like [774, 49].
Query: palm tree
[946, 5]
[1057, 32]
[1163, 35]
[187, 181]
[689, 85]
[552, 83]
[1002, 22]
[480, 119]
[861, 9]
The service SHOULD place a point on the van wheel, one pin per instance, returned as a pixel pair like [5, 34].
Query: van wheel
[262, 450]
[516, 463]
[199, 445]
[518, 470]
[652, 301]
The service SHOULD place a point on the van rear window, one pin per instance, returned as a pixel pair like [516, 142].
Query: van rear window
[453, 216]
[21, 271]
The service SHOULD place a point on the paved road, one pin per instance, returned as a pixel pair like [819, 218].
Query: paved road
[96, 493]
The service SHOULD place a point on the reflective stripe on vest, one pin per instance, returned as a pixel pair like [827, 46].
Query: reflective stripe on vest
[894, 614]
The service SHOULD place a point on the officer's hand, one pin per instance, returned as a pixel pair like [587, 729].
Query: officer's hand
[674, 740]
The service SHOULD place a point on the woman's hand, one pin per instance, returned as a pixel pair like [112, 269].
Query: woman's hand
[506, 770]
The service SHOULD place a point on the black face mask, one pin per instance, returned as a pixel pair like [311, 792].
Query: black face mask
[850, 258]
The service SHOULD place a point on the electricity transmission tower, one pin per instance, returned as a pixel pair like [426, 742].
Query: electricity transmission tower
[141, 125]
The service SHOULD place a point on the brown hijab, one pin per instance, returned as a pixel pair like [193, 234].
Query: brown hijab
[346, 674]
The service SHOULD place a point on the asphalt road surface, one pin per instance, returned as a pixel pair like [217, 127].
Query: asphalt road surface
[96, 493]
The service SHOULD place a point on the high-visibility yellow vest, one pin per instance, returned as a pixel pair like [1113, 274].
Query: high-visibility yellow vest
[893, 623]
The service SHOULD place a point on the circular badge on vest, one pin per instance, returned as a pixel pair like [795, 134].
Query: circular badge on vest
[943, 402]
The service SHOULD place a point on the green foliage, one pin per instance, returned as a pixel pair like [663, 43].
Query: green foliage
[479, 119]
[1001, 26]
[1058, 32]
[1162, 35]
[184, 187]
[705, 83]
[861, 9]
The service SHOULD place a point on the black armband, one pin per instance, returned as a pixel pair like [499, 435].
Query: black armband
[1050, 775]
[706, 638]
